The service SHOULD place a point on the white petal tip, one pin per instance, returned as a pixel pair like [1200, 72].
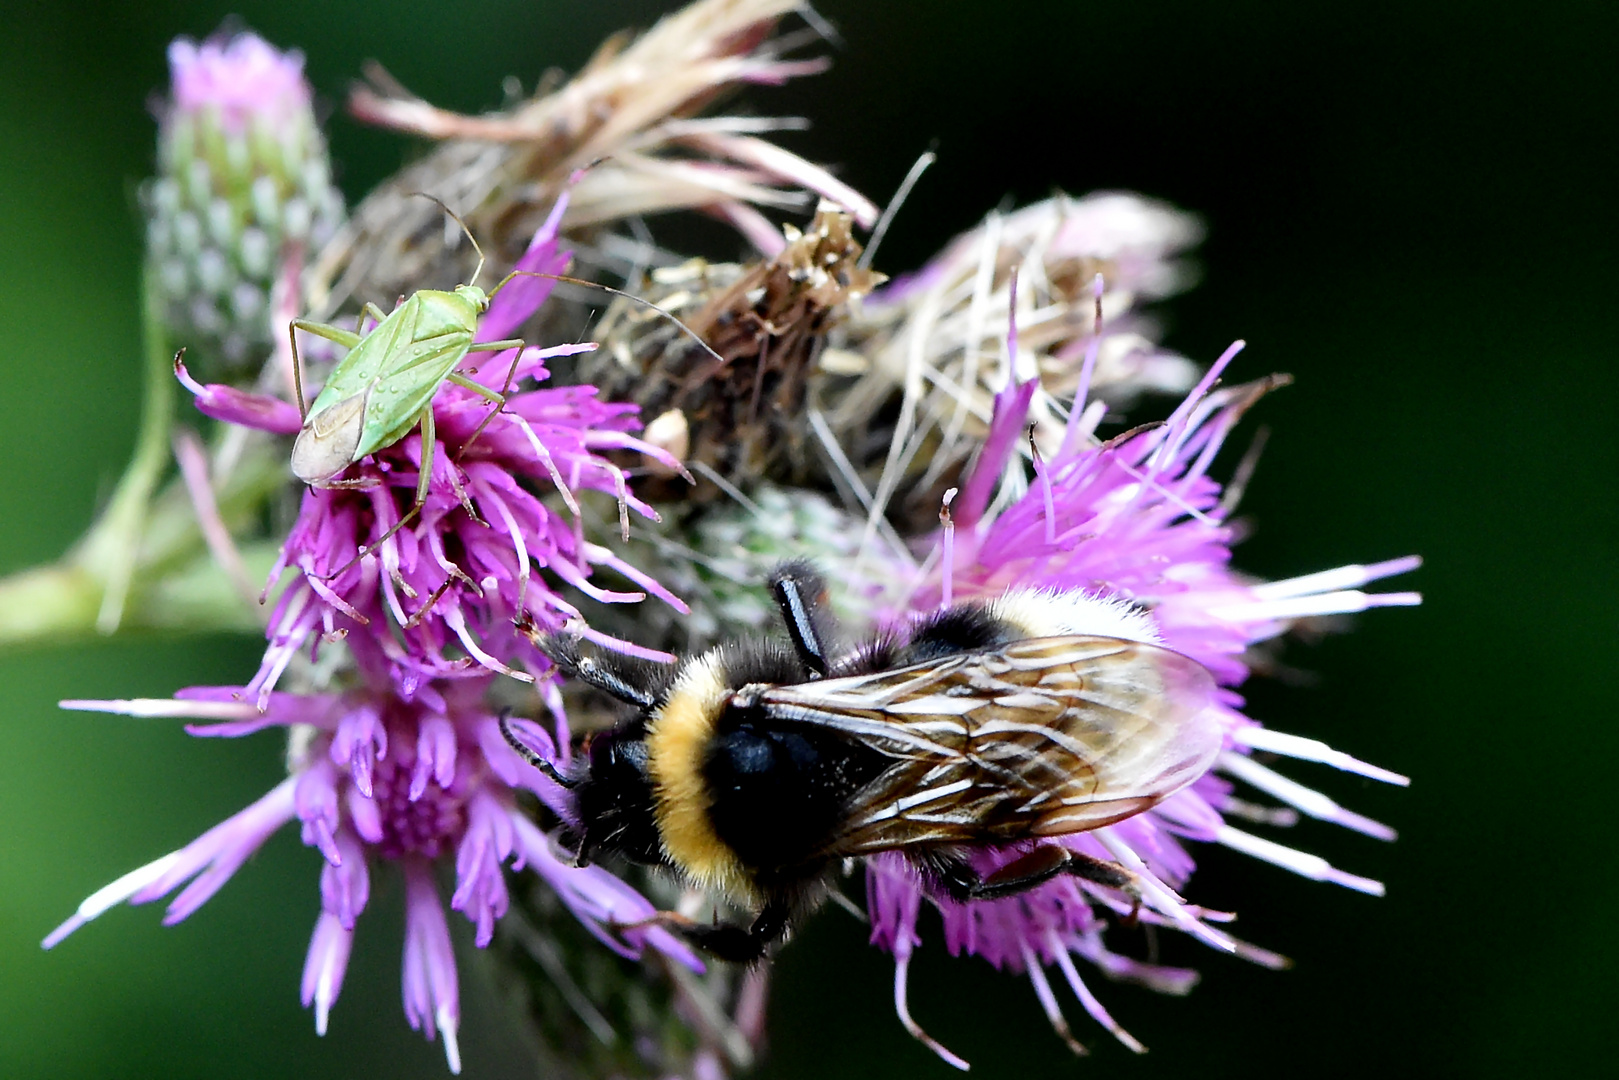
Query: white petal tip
[54, 938]
[1359, 884]
[1372, 772]
[452, 1048]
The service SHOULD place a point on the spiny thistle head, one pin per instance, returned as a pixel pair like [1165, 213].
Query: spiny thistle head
[716, 558]
[243, 186]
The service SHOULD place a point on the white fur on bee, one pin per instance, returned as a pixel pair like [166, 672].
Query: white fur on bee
[1054, 613]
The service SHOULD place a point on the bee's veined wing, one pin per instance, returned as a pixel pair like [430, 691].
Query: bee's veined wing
[1042, 737]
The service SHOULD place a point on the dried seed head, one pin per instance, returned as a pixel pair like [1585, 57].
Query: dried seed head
[627, 117]
[745, 417]
[952, 315]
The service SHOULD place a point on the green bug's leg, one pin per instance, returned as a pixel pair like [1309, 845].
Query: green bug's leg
[487, 394]
[376, 313]
[499, 347]
[424, 479]
[478, 388]
[499, 399]
[428, 439]
[346, 338]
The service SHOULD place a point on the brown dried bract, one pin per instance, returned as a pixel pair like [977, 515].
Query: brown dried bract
[628, 114]
[744, 413]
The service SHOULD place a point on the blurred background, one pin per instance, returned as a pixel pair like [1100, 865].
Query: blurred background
[1410, 208]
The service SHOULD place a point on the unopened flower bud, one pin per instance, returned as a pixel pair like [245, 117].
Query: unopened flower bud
[242, 176]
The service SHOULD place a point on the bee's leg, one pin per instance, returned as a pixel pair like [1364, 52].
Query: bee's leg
[1028, 871]
[629, 679]
[800, 593]
[728, 941]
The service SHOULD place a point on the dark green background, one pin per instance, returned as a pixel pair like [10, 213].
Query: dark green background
[1410, 209]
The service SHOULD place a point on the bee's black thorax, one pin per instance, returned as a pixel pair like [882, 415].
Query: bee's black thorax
[777, 788]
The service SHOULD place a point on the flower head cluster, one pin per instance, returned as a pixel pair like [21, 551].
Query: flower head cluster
[379, 776]
[440, 588]
[1135, 519]
[406, 764]
[244, 184]
[427, 567]
[925, 337]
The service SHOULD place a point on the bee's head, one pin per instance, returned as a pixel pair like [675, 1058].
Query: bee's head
[615, 798]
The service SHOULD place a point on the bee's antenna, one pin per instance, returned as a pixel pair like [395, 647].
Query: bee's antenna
[479, 269]
[527, 753]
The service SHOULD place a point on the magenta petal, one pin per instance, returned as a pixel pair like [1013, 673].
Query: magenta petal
[346, 886]
[522, 296]
[240, 407]
[431, 989]
[1011, 412]
[317, 808]
[480, 892]
[325, 965]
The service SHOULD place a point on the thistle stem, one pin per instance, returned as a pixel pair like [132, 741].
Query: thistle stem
[112, 546]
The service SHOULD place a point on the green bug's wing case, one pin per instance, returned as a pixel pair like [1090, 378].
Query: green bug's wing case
[359, 369]
[440, 332]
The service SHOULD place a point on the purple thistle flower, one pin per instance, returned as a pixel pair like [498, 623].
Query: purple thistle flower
[377, 775]
[1136, 524]
[441, 596]
[244, 191]
[242, 80]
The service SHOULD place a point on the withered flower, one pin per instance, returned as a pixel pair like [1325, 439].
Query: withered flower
[739, 412]
[632, 112]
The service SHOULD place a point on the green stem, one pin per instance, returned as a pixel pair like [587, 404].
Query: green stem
[112, 546]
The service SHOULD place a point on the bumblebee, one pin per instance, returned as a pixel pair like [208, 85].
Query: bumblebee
[755, 769]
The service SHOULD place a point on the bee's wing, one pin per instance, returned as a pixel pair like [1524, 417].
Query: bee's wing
[1042, 737]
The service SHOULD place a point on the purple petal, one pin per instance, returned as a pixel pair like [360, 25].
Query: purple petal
[431, 990]
[522, 296]
[217, 853]
[325, 965]
[317, 808]
[345, 886]
[480, 892]
[240, 407]
[601, 902]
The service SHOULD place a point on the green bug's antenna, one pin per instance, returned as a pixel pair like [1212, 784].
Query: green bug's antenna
[688, 331]
[479, 268]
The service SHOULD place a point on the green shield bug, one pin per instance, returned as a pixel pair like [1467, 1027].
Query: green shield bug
[384, 388]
